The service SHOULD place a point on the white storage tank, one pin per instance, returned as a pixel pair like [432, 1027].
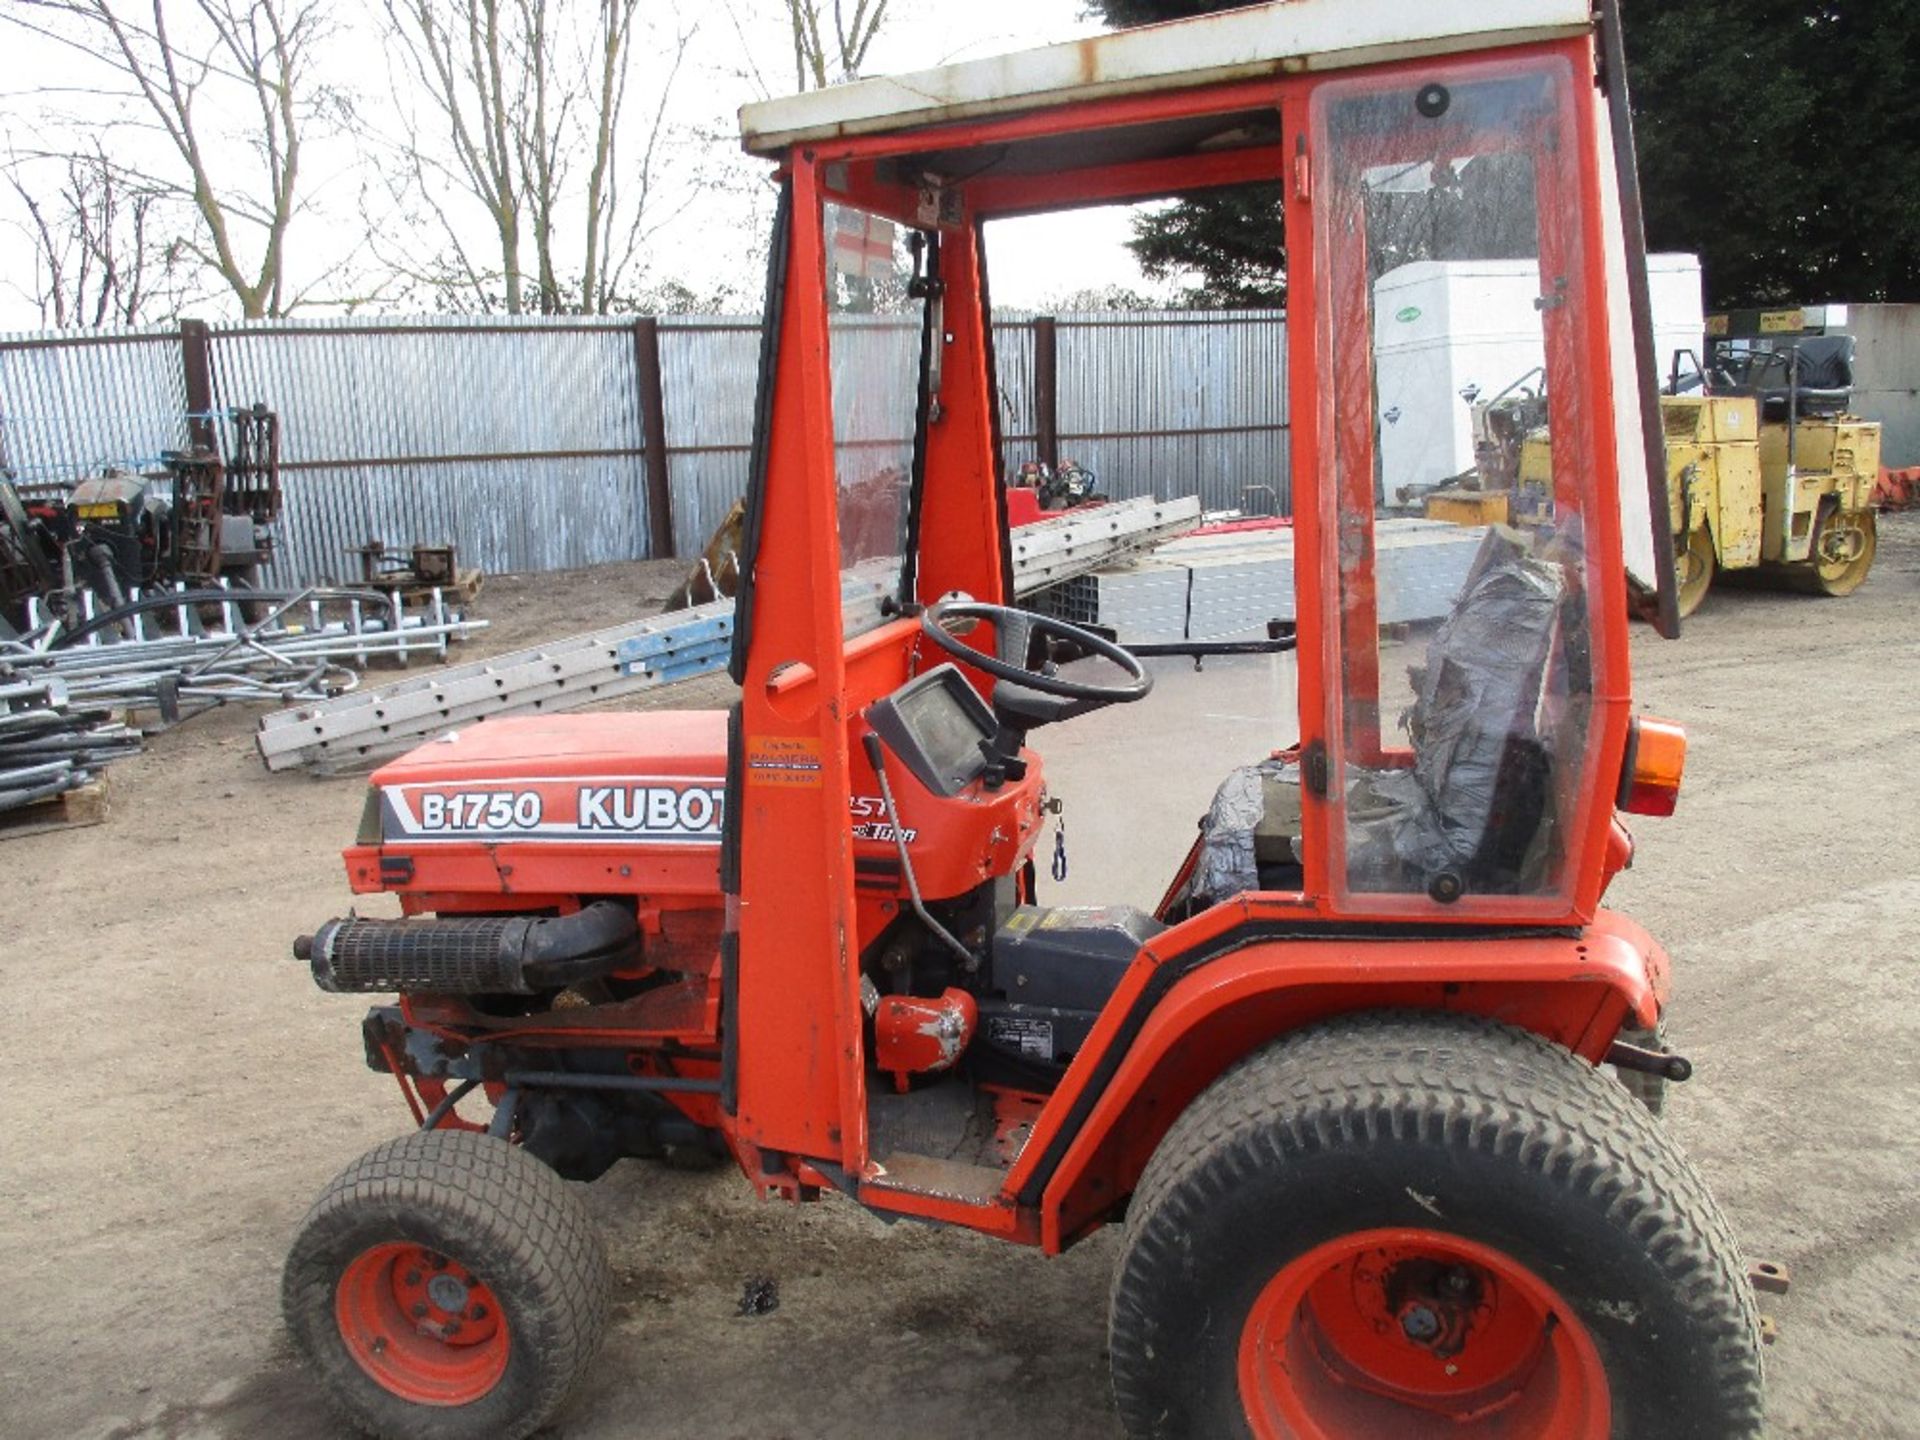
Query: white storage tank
[1447, 329]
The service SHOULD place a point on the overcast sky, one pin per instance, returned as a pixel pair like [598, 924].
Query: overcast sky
[713, 196]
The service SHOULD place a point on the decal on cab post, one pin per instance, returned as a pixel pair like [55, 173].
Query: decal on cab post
[683, 810]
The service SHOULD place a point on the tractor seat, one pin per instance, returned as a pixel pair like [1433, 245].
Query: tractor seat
[1472, 804]
[1466, 814]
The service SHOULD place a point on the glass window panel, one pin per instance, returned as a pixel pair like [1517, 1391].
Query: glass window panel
[1462, 673]
[874, 348]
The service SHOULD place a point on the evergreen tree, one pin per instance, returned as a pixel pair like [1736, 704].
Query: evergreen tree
[1774, 142]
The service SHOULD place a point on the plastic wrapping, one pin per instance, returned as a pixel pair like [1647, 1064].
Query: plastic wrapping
[1229, 862]
[1475, 796]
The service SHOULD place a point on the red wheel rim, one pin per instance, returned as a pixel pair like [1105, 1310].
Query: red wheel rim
[1408, 1333]
[421, 1325]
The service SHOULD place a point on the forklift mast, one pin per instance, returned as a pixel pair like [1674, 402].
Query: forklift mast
[225, 507]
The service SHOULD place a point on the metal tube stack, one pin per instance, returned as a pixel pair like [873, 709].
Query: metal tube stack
[48, 745]
[68, 687]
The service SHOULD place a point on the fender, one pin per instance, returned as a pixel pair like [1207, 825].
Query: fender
[1575, 988]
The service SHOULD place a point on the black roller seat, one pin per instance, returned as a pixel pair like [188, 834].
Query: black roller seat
[1825, 378]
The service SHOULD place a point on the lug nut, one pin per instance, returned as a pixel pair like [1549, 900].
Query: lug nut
[419, 1310]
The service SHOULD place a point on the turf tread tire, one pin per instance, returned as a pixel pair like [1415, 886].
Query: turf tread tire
[1458, 1095]
[509, 1219]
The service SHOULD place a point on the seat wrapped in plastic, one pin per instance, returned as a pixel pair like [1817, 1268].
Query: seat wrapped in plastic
[1474, 799]
[1248, 840]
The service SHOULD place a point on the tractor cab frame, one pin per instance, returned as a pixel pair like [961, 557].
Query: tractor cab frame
[808, 934]
[1391, 831]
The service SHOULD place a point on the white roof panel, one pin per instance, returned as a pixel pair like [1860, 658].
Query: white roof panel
[1287, 36]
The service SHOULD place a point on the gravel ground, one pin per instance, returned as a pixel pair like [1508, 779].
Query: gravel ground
[178, 1091]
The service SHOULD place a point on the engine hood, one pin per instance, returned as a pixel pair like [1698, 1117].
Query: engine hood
[667, 743]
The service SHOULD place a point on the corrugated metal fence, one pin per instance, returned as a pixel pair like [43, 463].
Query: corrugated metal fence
[522, 440]
[1163, 403]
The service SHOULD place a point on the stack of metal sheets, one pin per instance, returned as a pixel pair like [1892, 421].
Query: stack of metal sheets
[1228, 584]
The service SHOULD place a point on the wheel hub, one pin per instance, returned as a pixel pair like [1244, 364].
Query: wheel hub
[1445, 1331]
[447, 1293]
[421, 1325]
[1420, 1324]
[1842, 545]
[1434, 1305]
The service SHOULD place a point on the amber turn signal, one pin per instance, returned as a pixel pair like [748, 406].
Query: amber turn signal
[1656, 756]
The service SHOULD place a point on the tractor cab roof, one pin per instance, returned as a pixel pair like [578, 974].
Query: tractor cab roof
[1286, 37]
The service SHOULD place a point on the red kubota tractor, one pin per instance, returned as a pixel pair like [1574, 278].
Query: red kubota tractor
[1344, 1085]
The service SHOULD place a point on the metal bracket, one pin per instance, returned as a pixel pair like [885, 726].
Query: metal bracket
[1314, 775]
[1769, 1277]
[1663, 1063]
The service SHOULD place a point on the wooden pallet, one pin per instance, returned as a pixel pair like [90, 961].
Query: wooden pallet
[464, 590]
[86, 805]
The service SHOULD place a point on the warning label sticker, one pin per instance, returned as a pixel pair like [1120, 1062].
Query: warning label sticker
[1029, 1037]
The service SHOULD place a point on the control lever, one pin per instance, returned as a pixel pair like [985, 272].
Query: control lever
[876, 757]
[1280, 639]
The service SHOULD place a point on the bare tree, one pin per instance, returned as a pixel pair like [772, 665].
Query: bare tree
[525, 90]
[98, 240]
[823, 57]
[244, 195]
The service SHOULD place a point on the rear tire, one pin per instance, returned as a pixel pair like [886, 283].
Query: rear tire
[447, 1286]
[1351, 1169]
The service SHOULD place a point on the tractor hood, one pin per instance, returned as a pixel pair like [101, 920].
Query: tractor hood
[657, 777]
[662, 742]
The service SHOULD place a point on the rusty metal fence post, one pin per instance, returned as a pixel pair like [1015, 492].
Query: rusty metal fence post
[196, 364]
[653, 436]
[1046, 391]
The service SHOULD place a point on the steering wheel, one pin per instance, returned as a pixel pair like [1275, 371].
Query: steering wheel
[1016, 632]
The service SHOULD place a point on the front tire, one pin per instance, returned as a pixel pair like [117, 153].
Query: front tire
[1427, 1226]
[1842, 553]
[447, 1286]
[1694, 567]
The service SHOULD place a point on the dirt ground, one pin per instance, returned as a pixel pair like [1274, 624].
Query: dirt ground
[177, 1090]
